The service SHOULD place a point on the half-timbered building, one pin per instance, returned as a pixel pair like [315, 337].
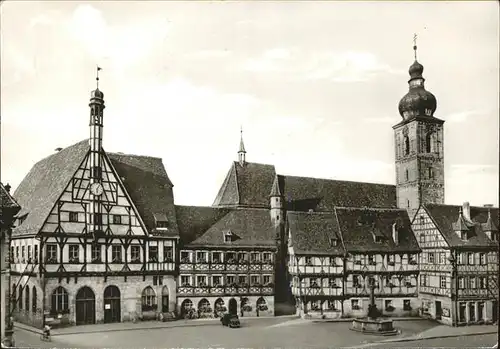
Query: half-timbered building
[381, 252]
[316, 264]
[226, 262]
[459, 263]
[96, 239]
[8, 211]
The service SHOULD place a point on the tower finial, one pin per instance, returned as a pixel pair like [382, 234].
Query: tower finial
[415, 44]
[97, 76]
[242, 151]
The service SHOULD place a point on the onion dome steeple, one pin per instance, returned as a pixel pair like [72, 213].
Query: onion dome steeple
[418, 101]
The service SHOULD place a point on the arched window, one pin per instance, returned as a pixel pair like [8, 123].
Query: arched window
[27, 299]
[148, 299]
[20, 298]
[407, 176]
[431, 173]
[59, 302]
[33, 301]
[429, 146]
[408, 203]
[407, 145]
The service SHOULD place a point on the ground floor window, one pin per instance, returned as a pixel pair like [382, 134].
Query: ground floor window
[59, 301]
[406, 304]
[355, 304]
[148, 299]
[33, 301]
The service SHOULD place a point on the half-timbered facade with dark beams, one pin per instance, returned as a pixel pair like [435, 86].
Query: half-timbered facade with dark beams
[459, 263]
[227, 262]
[381, 250]
[8, 211]
[316, 264]
[97, 237]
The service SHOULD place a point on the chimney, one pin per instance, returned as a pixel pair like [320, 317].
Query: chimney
[466, 210]
[7, 187]
[395, 233]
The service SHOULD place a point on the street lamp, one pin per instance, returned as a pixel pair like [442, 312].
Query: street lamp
[454, 276]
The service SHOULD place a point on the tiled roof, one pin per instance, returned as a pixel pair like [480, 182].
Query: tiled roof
[149, 187]
[304, 193]
[8, 207]
[250, 186]
[146, 181]
[445, 215]
[311, 233]
[358, 225]
[7, 201]
[194, 221]
[252, 227]
[43, 185]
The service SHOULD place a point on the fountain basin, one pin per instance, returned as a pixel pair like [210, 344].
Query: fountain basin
[382, 327]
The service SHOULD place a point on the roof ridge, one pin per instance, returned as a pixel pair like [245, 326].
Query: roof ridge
[253, 163]
[458, 205]
[62, 150]
[338, 180]
[135, 155]
[388, 209]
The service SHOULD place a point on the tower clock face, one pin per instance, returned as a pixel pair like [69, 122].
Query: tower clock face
[96, 189]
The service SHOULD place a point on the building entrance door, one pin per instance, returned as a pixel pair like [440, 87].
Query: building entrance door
[233, 306]
[472, 312]
[439, 310]
[85, 306]
[495, 311]
[112, 304]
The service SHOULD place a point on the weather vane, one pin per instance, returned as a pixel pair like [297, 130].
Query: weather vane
[415, 45]
[97, 76]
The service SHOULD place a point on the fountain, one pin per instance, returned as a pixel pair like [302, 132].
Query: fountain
[373, 324]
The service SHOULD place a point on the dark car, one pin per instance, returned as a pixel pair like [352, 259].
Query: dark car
[230, 320]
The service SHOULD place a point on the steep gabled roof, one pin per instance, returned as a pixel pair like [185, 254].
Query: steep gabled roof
[303, 193]
[6, 200]
[149, 187]
[253, 228]
[311, 233]
[145, 180]
[8, 209]
[194, 221]
[44, 184]
[246, 186]
[444, 216]
[358, 225]
[250, 185]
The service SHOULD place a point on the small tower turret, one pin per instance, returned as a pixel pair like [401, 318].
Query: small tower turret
[242, 152]
[277, 214]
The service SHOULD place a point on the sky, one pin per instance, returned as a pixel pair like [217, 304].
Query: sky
[314, 85]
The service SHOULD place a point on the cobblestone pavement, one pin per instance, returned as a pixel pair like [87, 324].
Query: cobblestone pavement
[262, 333]
[289, 333]
[478, 341]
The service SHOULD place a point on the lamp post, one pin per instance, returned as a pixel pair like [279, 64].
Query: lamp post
[454, 295]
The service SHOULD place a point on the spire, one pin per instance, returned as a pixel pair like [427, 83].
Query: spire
[97, 77]
[275, 190]
[415, 45]
[242, 151]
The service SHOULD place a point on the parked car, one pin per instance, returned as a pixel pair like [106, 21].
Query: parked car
[230, 320]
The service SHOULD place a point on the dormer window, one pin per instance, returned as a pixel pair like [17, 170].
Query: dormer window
[161, 221]
[333, 242]
[494, 236]
[228, 236]
[463, 235]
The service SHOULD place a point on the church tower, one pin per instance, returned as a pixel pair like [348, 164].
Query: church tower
[96, 124]
[418, 146]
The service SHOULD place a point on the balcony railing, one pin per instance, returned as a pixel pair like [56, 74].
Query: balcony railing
[187, 290]
[226, 266]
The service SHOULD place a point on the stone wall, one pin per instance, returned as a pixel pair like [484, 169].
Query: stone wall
[130, 293]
